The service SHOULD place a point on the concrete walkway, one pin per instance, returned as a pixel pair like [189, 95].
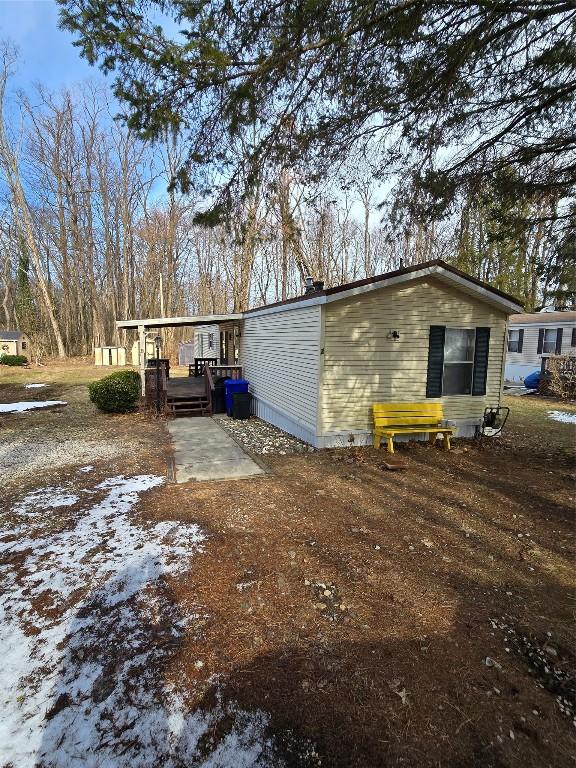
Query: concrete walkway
[204, 451]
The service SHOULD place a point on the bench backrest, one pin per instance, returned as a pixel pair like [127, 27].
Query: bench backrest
[407, 414]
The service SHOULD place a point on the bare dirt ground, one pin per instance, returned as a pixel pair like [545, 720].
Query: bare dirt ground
[343, 615]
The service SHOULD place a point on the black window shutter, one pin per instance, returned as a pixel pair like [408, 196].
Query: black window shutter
[481, 361]
[540, 341]
[435, 360]
[558, 349]
[573, 339]
[520, 339]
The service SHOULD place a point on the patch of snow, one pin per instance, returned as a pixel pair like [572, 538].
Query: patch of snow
[88, 468]
[88, 625]
[43, 499]
[563, 416]
[35, 386]
[29, 405]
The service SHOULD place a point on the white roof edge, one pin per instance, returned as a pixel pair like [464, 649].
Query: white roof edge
[260, 311]
[487, 295]
[163, 322]
[552, 323]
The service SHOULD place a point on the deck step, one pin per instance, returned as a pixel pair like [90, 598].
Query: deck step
[188, 405]
[189, 412]
[187, 398]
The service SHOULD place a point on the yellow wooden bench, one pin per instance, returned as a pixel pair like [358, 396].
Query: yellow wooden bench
[408, 418]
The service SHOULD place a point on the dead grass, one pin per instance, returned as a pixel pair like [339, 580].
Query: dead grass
[419, 566]
[426, 570]
[531, 428]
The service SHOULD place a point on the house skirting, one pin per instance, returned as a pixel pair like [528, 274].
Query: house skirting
[282, 420]
[463, 427]
[287, 423]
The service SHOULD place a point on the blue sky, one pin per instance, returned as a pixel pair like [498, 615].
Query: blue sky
[46, 52]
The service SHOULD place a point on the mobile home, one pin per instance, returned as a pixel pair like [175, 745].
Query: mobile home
[316, 364]
[534, 336]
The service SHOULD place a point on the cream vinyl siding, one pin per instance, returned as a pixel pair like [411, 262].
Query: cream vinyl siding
[361, 366]
[280, 355]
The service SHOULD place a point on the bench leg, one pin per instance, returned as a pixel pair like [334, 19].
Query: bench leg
[446, 441]
[390, 445]
[377, 439]
[432, 438]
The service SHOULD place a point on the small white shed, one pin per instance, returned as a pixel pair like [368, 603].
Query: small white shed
[110, 356]
[14, 343]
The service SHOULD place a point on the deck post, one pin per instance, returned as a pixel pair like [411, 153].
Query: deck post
[142, 355]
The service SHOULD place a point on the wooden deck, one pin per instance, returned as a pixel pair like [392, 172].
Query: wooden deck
[188, 395]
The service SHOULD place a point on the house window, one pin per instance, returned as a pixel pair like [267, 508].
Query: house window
[24, 345]
[513, 341]
[458, 361]
[549, 344]
[210, 341]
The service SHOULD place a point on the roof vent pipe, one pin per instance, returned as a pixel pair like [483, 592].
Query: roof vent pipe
[309, 285]
[318, 285]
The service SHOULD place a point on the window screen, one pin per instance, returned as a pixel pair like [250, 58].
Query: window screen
[513, 341]
[549, 346]
[458, 361]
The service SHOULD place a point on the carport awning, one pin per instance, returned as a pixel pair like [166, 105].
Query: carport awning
[176, 322]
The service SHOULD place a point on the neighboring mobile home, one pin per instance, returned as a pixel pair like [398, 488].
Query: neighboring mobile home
[534, 336]
[316, 364]
[203, 344]
[14, 343]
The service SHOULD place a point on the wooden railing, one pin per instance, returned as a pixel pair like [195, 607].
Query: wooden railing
[212, 372]
[164, 362]
[197, 369]
[226, 371]
[155, 388]
[209, 384]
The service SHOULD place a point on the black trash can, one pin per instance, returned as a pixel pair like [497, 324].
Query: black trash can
[219, 400]
[241, 405]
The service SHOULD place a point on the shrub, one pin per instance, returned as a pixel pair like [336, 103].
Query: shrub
[117, 393]
[14, 360]
[559, 380]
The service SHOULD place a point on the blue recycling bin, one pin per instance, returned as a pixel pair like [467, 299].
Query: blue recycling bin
[232, 386]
